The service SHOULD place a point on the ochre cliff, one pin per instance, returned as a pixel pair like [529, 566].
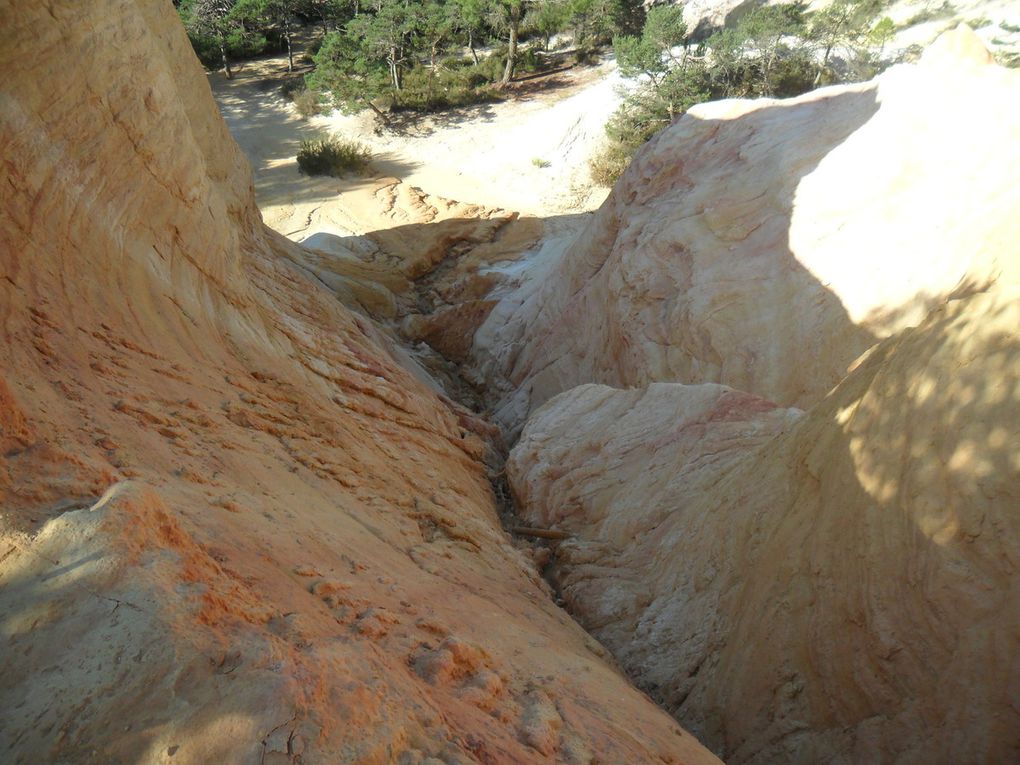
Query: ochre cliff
[831, 583]
[234, 527]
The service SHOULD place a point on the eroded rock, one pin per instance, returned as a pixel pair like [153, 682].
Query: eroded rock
[210, 466]
[829, 585]
[766, 244]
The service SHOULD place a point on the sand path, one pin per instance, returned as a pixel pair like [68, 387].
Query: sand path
[527, 155]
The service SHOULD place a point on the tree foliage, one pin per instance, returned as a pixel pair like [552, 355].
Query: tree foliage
[772, 50]
[212, 23]
[275, 14]
[674, 75]
[393, 52]
[225, 30]
[848, 27]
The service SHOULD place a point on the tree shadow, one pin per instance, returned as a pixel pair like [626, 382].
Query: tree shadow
[882, 570]
[424, 124]
[528, 88]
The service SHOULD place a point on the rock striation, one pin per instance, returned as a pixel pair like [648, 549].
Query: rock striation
[803, 564]
[234, 526]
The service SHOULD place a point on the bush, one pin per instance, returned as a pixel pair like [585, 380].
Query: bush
[586, 54]
[528, 61]
[793, 76]
[332, 156]
[292, 88]
[454, 62]
[491, 67]
[469, 78]
[240, 46]
[307, 103]
[944, 11]
[607, 165]
[1008, 60]
[429, 91]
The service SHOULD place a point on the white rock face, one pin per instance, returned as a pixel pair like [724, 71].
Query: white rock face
[765, 245]
[837, 584]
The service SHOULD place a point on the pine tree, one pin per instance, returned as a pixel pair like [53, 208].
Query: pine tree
[214, 19]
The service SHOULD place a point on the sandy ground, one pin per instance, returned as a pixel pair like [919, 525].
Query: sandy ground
[527, 155]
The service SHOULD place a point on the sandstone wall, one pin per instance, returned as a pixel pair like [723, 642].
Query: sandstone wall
[838, 586]
[234, 528]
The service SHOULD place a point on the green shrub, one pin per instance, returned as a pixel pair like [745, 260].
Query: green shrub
[240, 46]
[944, 11]
[586, 54]
[491, 67]
[793, 76]
[540, 163]
[429, 91]
[1008, 60]
[454, 62]
[472, 77]
[307, 102]
[528, 61]
[332, 156]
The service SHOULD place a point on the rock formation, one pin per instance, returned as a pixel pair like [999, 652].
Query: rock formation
[766, 244]
[240, 523]
[235, 528]
[829, 585]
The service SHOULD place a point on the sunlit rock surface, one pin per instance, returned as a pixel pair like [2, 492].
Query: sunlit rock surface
[233, 528]
[766, 244]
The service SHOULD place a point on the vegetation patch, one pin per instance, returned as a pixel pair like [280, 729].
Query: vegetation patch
[944, 11]
[308, 103]
[332, 156]
[396, 54]
[773, 51]
[607, 165]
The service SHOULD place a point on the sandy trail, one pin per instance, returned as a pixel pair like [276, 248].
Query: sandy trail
[528, 155]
